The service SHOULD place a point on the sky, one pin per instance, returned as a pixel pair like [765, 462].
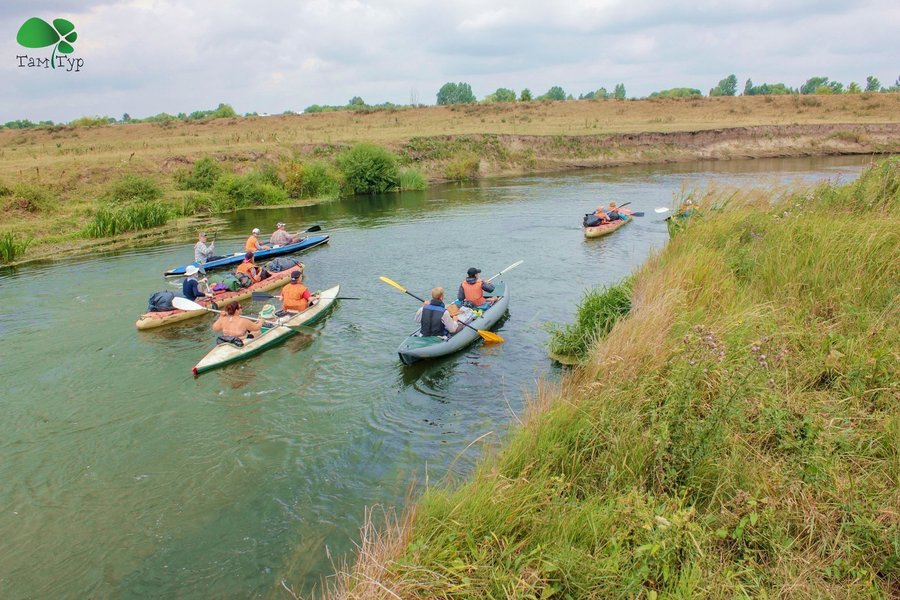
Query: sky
[143, 57]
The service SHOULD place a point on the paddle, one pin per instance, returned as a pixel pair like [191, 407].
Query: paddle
[185, 304]
[487, 336]
[265, 296]
[661, 209]
[509, 268]
[312, 229]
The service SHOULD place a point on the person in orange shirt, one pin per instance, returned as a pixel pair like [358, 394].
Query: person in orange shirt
[253, 244]
[295, 296]
[250, 269]
[472, 288]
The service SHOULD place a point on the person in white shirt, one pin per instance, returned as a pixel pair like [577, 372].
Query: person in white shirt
[202, 252]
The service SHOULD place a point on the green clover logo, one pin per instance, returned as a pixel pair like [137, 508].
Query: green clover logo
[38, 33]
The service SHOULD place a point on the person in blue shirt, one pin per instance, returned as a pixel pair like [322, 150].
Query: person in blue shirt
[190, 287]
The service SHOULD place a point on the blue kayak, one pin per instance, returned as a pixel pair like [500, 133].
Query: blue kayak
[238, 257]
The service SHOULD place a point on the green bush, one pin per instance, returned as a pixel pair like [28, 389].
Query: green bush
[368, 168]
[12, 247]
[202, 177]
[411, 179]
[112, 220]
[133, 188]
[315, 179]
[597, 313]
[242, 191]
[30, 198]
[462, 168]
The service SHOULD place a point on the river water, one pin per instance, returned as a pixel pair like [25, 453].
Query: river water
[125, 477]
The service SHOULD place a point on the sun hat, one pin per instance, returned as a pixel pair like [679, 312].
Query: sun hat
[191, 270]
[473, 271]
[267, 312]
[295, 275]
[280, 225]
[256, 230]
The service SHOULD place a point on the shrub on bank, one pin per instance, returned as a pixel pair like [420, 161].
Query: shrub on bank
[133, 188]
[201, 177]
[315, 179]
[411, 179]
[244, 191]
[463, 168]
[368, 169]
[28, 197]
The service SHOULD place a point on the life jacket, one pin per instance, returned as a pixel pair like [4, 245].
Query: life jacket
[431, 319]
[292, 297]
[250, 270]
[252, 244]
[474, 292]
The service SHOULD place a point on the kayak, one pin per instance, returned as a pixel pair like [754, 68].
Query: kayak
[238, 257]
[418, 347]
[151, 320]
[225, 354]
[607, 228]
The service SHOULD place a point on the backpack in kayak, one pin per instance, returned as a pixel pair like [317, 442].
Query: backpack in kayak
[231, 283]
[244, 280]
[282, 263]
[591, 220]
[160, 301]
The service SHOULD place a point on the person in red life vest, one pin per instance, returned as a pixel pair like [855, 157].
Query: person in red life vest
[471, 290]
[295, 296]
[435, 318]
[250, 269]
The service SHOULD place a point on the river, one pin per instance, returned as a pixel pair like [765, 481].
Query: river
[123, 476]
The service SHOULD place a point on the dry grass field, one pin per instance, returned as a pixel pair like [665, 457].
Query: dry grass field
[76, 164]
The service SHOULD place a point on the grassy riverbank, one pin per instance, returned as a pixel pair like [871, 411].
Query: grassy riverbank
[735, 433]
[55, 181]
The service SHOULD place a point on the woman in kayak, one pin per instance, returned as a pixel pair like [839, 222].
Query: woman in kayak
[251, 270]
[190, 287]
[231, 323]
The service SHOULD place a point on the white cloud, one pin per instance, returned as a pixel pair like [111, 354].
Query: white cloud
[148, 56]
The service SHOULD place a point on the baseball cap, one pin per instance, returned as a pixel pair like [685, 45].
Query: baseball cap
[256, 230]
[473, 271]
[295, 275]
[280, 224]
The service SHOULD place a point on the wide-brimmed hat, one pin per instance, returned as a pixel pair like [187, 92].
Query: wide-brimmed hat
[267, 312]
[191, 270]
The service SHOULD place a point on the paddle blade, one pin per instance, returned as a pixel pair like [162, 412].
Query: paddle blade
[637, 214]
[490, 336]
[313, 228]
[261, 296]
[392, 282]
[661, 209]
[185, 304]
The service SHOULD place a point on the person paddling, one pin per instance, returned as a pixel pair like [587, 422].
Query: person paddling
[231, 323]
[250, 269]
[280, 237]
[202, 252]
[190, 287]
[436, 320]
[295, 296]
[253, 244]
[471, 290]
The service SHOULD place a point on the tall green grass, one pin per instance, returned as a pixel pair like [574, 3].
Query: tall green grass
[110, 221]
[314, 179]
[11, 247]
[737, 434]
[411, 179]
[598, 312]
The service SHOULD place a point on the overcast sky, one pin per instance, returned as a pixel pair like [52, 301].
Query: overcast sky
[149, 56]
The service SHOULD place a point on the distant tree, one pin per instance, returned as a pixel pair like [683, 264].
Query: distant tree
[766, 89]
[455, 93]
[126, 118]
[554, 93]
[356, 101]
[812, 83]
[682, 92]
[853, 88]
[872, 84]
[601, 94]
[588, 96]
[895, 87]
[748, 87]
[503, 95]
[726, 87]
[19, 124]
[223, 111]
[619, 92]
[525, 96]
[824, 90]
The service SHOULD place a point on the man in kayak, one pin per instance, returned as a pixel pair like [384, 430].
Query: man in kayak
[471, 290]
[435, 318]
[190, 287]
[295, 296]
[253, 244]
[280, 237]
[202, 252]
[250, 269]
[231, 323]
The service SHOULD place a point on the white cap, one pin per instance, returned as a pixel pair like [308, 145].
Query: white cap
[280, 225]
[191, 270]
[256, 230]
